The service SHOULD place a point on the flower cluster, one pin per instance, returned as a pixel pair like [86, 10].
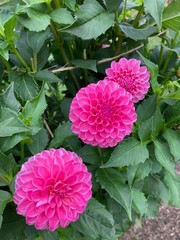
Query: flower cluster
[103, 114]
[52, 189]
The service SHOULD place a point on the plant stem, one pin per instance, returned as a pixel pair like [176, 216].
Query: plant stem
[167, 61]
[160, 56]
[6, 63]
[21, 59]
[124, 14]
[136, 20]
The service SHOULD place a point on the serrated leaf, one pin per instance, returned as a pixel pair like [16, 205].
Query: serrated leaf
[154, 71]
[7, 165]
[140, 171]
[173, 139]
[35, 21]
[89, 154]
[112, 181]
[7, 143]
[69, 233]
[37, 39]
[139, 201]
[62, 132]
[39, 141]
[10, 123]
[34, 109]
[150, 128]
[46, 76]
[152, 209]
[113, 5]
[8, 99]
[128, 152]
[159, 190]
[146, 109]
[173, 184]
[96, 222]
[155, 8]
[85, 64]
[137, 34]
[171, 16]
[47, 235]
[92, 20]
[164, 156]
[62, 16]
[24, 86]
[70, 4]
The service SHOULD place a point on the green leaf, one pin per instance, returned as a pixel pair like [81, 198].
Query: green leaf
[122, 222]
[154, 71]
[8, 99]
[37, 39]
[5, 197]
[146, 109]
[173, 184]
[89, 154]
[69, 233]
[92, 20]
[35, 21]
[128, 152]
[137, 34]
[113, 5]
[173, 139]
[164, 156]
[7, 143]
[85, 64]
[46, 76]
[139, 201]
[171, 16]
[153, 186]
[152, 209]
[65, 107]
[149, 129]
[155, 8]
[7, 165]
[139, 171]
[9, 29]
[39, 141]
[96, 222]
[172, 114]
[113, 182]
[47, 235]
[24, 85]
[34, 109]
[70, 4]
[62, 132]
[13, 225]
[62, 16]
[10, 123]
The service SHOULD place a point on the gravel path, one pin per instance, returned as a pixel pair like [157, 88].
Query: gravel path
[165, 227]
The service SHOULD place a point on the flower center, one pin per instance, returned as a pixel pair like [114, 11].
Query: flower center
[106, 110]
[60, 189]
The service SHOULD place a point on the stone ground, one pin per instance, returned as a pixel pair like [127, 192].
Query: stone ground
[165, 227]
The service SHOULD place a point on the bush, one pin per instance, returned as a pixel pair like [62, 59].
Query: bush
[71, 79]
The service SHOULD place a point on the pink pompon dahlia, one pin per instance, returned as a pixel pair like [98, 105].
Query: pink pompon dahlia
[129, 75]
[52, 189]
[102, 114]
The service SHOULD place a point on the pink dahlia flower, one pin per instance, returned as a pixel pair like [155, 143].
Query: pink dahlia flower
[52, 189]
[129, 75]
[102, 114]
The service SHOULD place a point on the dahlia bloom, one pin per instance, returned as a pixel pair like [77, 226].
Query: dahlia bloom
[52, 189]
[129, 75]
[102, 114]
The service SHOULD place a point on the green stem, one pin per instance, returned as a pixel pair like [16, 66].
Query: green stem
[167, 61]
[21, 59]
[57, 3]
[22, 150]
[136, 20]
[160, 56]
[124, 14]
[6, 63]
[35, 61]
[119, 34]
